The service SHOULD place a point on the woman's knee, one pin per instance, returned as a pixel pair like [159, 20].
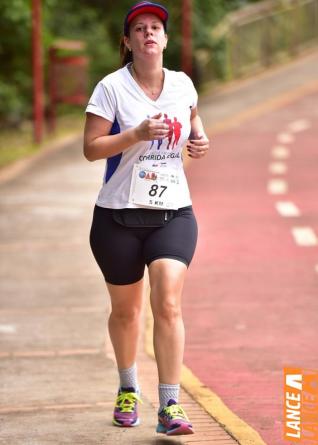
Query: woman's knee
[166, 310]
[126, 302]
[125, 315]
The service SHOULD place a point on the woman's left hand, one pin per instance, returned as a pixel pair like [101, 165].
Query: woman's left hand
[197, 148]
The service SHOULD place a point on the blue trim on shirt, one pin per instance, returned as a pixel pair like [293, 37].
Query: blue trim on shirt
[114, 161]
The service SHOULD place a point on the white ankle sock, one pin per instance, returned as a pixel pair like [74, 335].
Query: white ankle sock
[128, 378]
[167, 392]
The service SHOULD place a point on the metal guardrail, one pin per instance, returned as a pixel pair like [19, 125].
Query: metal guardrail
[265, 34]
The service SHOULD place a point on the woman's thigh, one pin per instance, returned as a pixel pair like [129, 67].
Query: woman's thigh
[117, 249]
[176, 240]
[126, 301]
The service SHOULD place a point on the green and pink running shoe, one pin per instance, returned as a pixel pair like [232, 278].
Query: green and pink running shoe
[126, 409]
[173, 421]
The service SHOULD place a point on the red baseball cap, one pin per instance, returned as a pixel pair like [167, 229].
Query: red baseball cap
[146, 8]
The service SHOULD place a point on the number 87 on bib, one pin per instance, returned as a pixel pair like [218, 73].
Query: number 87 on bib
[157, 188]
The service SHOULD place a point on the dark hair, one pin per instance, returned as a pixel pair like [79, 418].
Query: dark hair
[126, 56]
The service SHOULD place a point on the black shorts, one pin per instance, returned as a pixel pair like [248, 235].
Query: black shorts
[122, 252]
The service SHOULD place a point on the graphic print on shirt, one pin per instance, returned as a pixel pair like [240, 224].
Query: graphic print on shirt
[170, 134]
[174, 132]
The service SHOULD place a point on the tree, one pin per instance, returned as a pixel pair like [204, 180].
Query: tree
[15, 57]
[100, 24]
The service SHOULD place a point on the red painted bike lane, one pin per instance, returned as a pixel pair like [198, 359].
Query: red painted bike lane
[251, 296]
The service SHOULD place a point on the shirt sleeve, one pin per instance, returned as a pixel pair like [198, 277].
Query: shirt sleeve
[102, 102]
[193, 95]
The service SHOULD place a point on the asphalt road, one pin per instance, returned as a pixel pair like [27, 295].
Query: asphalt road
[251, 298]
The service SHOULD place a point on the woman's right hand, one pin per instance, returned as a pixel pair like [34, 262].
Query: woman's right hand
[152, 129]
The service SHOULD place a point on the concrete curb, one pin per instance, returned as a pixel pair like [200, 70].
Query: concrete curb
[262, 108]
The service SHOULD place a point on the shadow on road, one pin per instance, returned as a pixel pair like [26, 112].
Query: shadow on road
[165, 442]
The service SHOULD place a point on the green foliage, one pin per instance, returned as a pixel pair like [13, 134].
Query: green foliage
[88, 25]
[15, 54]
[99, 23]
[207, 14]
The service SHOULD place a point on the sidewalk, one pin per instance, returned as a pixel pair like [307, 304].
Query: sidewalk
[58, 381]
[58, 377]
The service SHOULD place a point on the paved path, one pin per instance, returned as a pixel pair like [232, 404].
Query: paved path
[57, 372]
[255, 274]
[58, 378]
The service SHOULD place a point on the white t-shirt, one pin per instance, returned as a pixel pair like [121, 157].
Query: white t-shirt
[119, 99]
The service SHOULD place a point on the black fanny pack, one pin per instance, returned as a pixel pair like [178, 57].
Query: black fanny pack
[142, 217]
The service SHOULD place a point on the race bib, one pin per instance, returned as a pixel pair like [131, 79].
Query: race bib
[156, 188]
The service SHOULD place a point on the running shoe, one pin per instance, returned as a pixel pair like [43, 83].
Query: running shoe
[126, 410]
[173, 421]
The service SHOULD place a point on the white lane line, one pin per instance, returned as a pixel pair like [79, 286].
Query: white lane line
[277, 168]
[277, 187]
[280, 152]
[299, 125]
[240, 326]
[285, 138]
[304, 236]
[287, 209]
[8, 329]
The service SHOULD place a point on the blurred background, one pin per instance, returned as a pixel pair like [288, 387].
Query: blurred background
[78, 44]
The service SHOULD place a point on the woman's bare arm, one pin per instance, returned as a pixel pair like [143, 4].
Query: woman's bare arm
[198, 143]
[99, 144]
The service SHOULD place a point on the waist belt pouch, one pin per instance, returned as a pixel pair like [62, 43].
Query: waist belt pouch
[142, 217]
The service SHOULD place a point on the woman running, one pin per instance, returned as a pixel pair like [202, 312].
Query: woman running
[143, 213]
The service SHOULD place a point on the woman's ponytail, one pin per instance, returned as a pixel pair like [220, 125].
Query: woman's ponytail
[125, 54]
